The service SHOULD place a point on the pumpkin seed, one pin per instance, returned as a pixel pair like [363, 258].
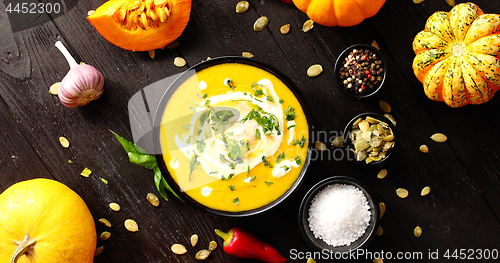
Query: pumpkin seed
[285, 29]
[423, 148]
[384, 106]
[382, 208]
[260, 23]
[212, 245]
[391, 118]
[375, 45]
[425, 191]
[378, 260]
[439, 137]
[178, 249]
[114, 207]
[64, 142]
[151, 53]
[402, 193]
[451, 2]
[247, 54]
[338, 142]
[105, 222]
[104, 181]
[86, 172]
[54, 89]
[242, 7]
[90, 12]
[98, 251]
[382, 174]
[310, 260]
[314, 70]
[417, 231]
[173, 45]
[105, 235]
[131, 225]
[418, 1]
[308, 25]
[179, 62]
[194, 240]
[380, 231]
[319, 146]
[203, 254]
[153, 199]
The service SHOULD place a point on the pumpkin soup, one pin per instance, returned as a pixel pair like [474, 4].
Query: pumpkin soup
[234, 137]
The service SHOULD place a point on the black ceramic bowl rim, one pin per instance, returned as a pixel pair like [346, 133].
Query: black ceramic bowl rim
[157, 123]
[340, 62]
[320, 245]
[348, 144]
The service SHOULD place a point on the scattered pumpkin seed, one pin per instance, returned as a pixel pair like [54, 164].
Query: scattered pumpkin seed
[372, 139]
[382, 174]
[90, 12]
[151, 53]
[423, 148]
[402, 193]
[105, 222]
[212, 245]
[338, 142]
[105, 235]
[425, 191]
[86, 172]
[382, 208]
[194, 240]
[310, 260]
[260, 23]
[70, 161]
[131, 225]
[153, 199]
[418, 1]
[439, 137]
[384, 106]
[173, 44]
[375, 45]
[391, 118]
[179, 62]
[104, 181]
[319, 146]
[378, 260]
[417, 231]
[308, 25]
[98, 251]
[178, 249]
[285, 29]
[64, 142]
[380, 231]
[314, 70]
[54, 89]
[242, 7]
[115, 207]
[451, 2]
[203, 254]
[247, 54]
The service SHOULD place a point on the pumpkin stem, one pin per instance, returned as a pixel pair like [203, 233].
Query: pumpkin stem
[458, 50]
[24, 247]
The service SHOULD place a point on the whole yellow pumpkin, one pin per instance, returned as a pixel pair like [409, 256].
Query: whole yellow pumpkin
[339, 12]
[457, 56]
[42, 220]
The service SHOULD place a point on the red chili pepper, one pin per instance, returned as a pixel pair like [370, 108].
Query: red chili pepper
[242, 244]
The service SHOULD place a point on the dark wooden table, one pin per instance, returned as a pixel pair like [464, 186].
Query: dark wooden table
[462, 210]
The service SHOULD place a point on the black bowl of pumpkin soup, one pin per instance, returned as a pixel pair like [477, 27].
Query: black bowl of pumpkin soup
[233, 134]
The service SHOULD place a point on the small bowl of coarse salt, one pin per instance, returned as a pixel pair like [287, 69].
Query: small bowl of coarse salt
[360, 71]
[338, 214]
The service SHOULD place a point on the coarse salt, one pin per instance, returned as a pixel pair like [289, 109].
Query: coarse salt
[339, 214]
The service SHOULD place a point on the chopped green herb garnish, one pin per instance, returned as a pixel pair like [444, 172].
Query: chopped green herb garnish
[257, 88]
[204, 118]
[223, 158]
[232, 166]
[268, 183]
[222, 116]
[291, 126]
[248, 169]
[297, 160]
[213, 172]
[200, 146]
[236, 200]
[198, 131]
[281, 101]
[253, 178]
[258, 93]
[269, 98]
[285, 167]
[290, 113]
[300, 142]
[257, 134]
[230, 176]
[281, 156]
[193, 164]
[207, 102]
[192, 109]
[230, 83]
[204, 95]
[266, 163]
[188, 139]
[187, 127]
[232, 187]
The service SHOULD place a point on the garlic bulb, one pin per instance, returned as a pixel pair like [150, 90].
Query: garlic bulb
[81, 85]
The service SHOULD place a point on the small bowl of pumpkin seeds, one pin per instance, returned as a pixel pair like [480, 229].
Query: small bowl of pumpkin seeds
[371, 139]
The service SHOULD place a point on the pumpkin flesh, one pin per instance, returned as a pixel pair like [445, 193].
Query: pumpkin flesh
[457, 56]
[141, 25]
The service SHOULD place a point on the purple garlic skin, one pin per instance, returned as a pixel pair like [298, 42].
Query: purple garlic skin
[81, 85]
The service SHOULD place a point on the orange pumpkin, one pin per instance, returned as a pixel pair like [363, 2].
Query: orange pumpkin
[42, 220]
[458, 56]
[141, 25]
[339, 12]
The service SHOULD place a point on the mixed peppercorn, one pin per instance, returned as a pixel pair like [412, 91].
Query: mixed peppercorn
[362, 72]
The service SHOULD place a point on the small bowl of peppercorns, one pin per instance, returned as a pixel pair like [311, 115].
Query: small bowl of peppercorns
[360, 71]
